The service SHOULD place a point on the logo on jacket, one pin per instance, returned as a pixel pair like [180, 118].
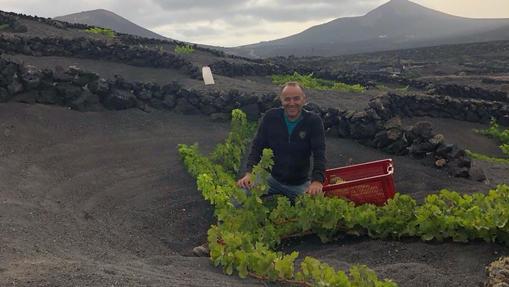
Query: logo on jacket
[302, 134]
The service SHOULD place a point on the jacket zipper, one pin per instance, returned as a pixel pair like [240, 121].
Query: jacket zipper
[293, 131]
[290, 134]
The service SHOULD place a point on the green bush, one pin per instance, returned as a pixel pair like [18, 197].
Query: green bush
[101, 31]
[245, 239]
[309, 81]
[184, 49]
[495, 131]
[484, 157]
[499, 134]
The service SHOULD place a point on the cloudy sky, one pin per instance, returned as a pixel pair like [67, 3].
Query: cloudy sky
[239, 22]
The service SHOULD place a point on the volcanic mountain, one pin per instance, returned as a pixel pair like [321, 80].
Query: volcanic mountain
[394, 25]
[108, 19]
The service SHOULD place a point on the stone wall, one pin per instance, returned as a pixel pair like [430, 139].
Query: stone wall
[365, 79]
[82, 90]
[10, 17]
[452, 90]
[47, 21]
[459, 91]
[96, 49]
[232, 69]
[378, 126]
[471, 110]
[130, 52]
[12, 25]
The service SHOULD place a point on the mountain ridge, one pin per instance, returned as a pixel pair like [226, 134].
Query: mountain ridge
[397, 24]
[107, 19]
[393, 25]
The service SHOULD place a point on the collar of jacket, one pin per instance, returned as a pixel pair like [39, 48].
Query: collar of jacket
[303, 113]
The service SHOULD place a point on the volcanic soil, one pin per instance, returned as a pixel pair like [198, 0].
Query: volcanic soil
[102, 199]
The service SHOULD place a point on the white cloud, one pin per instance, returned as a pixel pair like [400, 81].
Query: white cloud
[225, 22]
[47, 8]
[222, 33]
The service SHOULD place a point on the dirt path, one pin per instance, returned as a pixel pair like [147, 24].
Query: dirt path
[102, 199]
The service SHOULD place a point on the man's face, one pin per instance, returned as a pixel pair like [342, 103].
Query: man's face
[292, 99]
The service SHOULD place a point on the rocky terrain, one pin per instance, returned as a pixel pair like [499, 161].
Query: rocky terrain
[93, 193]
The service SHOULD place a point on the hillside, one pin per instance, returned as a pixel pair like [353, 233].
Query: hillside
[108, 19]
[396, 24]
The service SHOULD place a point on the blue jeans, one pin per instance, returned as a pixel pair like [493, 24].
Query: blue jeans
[278, 188]
[290, 191]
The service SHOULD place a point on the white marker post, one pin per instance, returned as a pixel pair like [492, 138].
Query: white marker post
[207, 75]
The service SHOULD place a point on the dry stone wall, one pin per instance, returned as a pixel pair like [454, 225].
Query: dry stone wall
[471, 110]
[378, 126]
[451, 90]
[48, 21]
[127, 39]
[366, 79]
[130, 52]
[459, 91]
[232, 69]
[95, 49]
[82, 90]
[10, 24]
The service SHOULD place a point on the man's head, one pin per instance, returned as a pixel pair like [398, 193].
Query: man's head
[292, 99]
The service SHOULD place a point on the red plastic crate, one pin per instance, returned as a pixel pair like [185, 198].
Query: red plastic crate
[370, 182]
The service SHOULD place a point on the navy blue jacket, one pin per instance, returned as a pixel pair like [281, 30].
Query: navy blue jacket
[291, 152]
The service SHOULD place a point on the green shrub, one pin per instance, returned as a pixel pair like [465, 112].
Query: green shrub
[495, 131]
[484, 157]
[184, 49]
[501, 135]
[309, 81]
[245, 238]
[4, 26]
[101, 31]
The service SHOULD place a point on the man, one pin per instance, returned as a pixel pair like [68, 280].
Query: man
[294, 135]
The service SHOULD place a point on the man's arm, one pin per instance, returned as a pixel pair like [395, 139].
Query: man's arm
[318, 150]
[259, 143]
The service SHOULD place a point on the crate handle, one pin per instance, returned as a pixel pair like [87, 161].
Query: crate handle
[390, 169]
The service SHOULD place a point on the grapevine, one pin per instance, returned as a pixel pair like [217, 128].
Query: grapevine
[244, 238]
[499, 134]
[248, 230]
[311, 82]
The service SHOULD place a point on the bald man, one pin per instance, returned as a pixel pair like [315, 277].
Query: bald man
[294, 135]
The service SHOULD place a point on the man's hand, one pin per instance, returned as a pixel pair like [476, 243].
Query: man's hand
[245, 182]
[314, 188]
